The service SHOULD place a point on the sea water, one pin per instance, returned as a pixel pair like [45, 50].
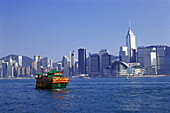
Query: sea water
[95, 95]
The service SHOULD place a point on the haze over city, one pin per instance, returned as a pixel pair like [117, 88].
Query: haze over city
[55, 28]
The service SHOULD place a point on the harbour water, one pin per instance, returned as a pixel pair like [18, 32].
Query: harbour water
[106, 95]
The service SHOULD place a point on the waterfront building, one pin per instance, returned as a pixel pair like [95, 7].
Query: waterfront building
[45, 62]
[147, 59]
[64, 61]
[1, 71]
[51, 64]
[59, 65]
[155, 59]
[72, 63]
[20, 61]
[37, 58]
[15, 71]
[23, 71]
[119, 68]
[76, 68]
[36, 65]
[130, 50]
[163, 60]
[107, 71]
[28, 71]
[123, 54]
[105, 61]
[66, 68]
[1, 61]
[94, 64]
[4, 69]
[19, 72]
[39, 67]
[10, 68]
[101, 52]
[34, 68]
[82, 60]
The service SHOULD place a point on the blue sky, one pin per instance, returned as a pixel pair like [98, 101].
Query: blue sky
[53, 28]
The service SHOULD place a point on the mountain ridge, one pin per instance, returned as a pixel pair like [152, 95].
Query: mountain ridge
[26, 61]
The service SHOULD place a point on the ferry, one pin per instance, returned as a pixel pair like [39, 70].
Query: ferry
[51, 80]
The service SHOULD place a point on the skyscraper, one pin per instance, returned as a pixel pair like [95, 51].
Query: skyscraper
[38, 64]
[66, 68]
[64, 60]
[147, 59]
[82, 60]
[59, 65]
[163, 59]
[20, 61]
[4, 69]
[156, 59]
[128, 53]
[45, 63]
[51, 64]
[106, 61]
[101, 52]
[94, 64]
[72, 63]
[36, 59]
[131, 44]
[34, 68]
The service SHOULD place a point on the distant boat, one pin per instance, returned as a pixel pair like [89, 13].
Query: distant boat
[81, 76]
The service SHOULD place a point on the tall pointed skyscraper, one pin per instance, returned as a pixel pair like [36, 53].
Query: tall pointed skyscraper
[128, 53]
[131, 44]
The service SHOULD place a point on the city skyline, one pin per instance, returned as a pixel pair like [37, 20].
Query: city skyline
[53, 29]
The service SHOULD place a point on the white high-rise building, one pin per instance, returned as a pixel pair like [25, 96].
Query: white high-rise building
[128, 53]
[36, 59]
[131, 44]
[20, 61]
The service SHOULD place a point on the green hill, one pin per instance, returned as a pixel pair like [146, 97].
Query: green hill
[26, 61]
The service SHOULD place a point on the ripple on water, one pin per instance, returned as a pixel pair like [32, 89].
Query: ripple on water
[88, 95]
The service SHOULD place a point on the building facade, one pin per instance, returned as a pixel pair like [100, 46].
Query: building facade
[128, 53]
[64, 61]
[94, 64]
[20, 61]
[155, 59]
[101, 52]
[120, 68]
[72, 63]
[82, 61]
[105, 61]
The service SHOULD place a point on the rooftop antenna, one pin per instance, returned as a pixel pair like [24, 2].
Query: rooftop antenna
[129, 23]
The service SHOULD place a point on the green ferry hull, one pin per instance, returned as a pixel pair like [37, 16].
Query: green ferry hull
[53, 86]
[58, 86]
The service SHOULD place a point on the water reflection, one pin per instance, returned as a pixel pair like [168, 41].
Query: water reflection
[59, 94]
[60, 99]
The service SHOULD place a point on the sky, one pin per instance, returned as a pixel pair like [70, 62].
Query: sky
[53, 28]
